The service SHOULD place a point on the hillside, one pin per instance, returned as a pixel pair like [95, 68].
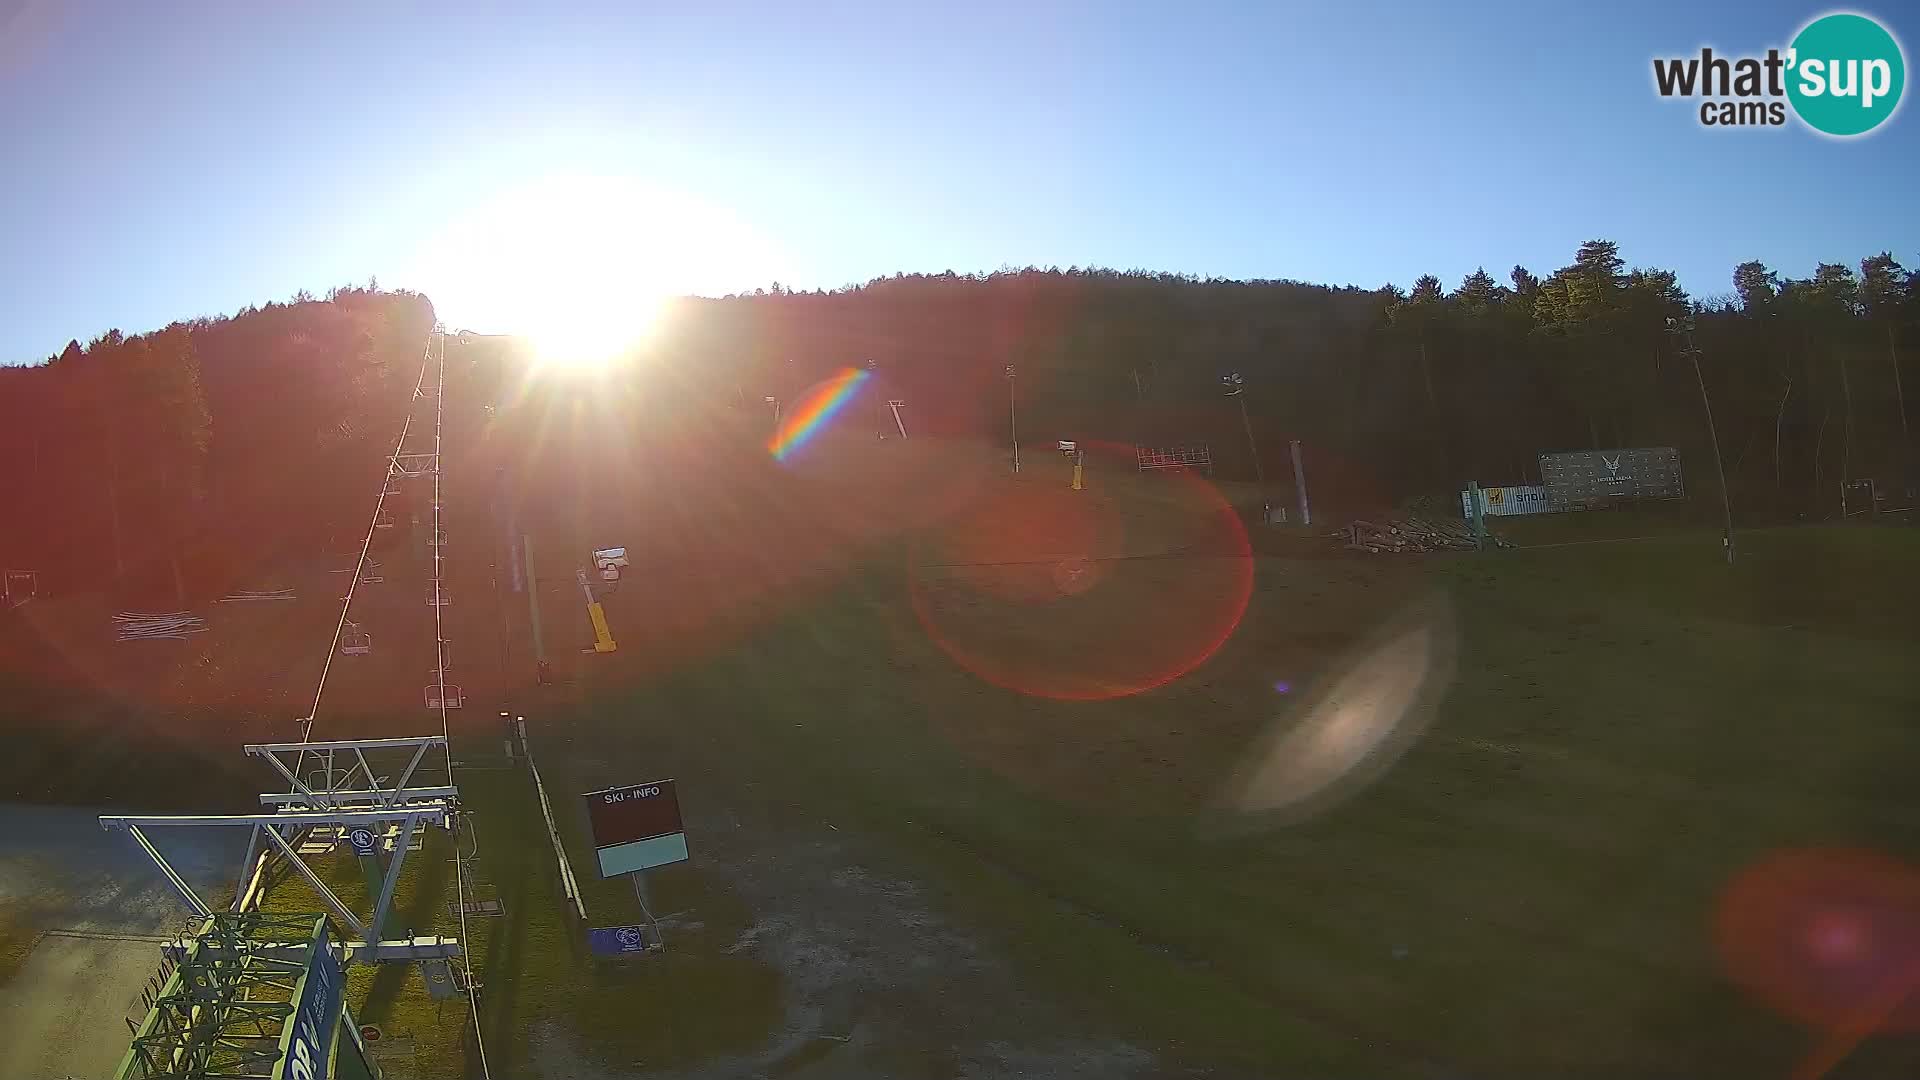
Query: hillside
[984, 772]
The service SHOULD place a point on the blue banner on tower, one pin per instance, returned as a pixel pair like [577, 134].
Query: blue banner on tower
[306, 1050]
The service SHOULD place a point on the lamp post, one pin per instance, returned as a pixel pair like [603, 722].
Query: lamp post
[1236, 386]
[1682, 328]
[1013, 420]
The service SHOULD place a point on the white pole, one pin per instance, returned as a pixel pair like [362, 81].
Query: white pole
[1013, 419]
[1300, 483]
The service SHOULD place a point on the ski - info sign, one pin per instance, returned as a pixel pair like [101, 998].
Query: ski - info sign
[636, 827]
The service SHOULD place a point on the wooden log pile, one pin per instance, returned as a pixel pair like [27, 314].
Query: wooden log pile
[242, 596]
[1412, 534]
[151, 626]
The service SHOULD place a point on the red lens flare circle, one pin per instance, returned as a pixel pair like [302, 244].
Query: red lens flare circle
[1830, 938]
[1085, 595]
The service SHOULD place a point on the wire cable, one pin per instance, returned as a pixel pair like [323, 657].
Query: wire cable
[360, 564]
[438, 545]
[436, 343]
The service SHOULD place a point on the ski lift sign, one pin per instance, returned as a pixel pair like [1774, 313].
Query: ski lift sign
[620, 940]
[636, 827]
[361, 839]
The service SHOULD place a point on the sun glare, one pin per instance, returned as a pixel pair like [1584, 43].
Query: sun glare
[583, 266]
[589, 337]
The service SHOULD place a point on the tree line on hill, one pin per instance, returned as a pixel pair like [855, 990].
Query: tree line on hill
[172, 461]
[1393, 392]
[165, 465]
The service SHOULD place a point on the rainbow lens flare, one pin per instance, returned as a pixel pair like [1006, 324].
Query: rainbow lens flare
[814, 411]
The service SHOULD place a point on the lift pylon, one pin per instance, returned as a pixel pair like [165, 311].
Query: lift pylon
[337, 797]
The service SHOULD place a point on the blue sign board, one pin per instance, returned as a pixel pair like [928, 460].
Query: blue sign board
[362, 839]
[614, 940]
[306, 1050]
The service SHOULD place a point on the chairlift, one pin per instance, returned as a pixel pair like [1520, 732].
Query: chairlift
[21, 586]
[437, 596]
[355, 641]
[383, 520]
[443, 696]
[438, 539]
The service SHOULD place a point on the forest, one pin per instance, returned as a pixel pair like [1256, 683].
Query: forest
[158, 465]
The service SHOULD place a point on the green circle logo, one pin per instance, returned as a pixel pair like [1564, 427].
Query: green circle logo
[1845, 74]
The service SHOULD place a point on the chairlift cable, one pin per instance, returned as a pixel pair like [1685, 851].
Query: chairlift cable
[359, 565]
[440, 678]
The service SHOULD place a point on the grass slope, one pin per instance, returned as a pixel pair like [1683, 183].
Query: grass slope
[1531, 887]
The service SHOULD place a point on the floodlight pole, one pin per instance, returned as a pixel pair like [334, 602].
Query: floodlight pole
[1300, 483]
[533, 602]
[1259, 471]
[1013, 420]
[1683, 327]
[1237, 389]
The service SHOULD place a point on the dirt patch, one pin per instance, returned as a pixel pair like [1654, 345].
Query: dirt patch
[875, 982]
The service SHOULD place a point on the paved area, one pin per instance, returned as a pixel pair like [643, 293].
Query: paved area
[99, 910]
[61, 1015]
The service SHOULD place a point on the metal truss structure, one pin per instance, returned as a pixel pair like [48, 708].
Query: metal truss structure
[225, 1008]
[336, 797]
[413, 466]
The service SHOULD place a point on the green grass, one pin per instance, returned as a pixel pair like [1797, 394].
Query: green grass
[18, 935]
[536, 972]
[1626, 728]
[1529, 890]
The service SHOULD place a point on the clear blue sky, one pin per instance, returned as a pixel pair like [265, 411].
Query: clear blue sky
[166, 160]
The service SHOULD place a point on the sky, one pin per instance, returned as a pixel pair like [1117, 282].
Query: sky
[170, 160]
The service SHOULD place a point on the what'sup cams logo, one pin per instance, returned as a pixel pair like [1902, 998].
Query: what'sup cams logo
[1842, 75]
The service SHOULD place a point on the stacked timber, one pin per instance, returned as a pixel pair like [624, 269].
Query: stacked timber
[1411, 534]
[246, 595]
[150, 626]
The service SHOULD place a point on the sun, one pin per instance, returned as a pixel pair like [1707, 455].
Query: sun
[582, 333]
[582, 267]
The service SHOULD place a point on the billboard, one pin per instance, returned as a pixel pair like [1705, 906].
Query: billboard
[1509, 501]
[636, 827]
[1582, 479]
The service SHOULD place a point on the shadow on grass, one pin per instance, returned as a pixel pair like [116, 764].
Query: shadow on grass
[420, 911]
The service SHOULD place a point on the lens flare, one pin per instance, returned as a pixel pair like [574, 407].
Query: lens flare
[1349, 733]
[1830, 938]
[1084, 595]
[814, 412]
